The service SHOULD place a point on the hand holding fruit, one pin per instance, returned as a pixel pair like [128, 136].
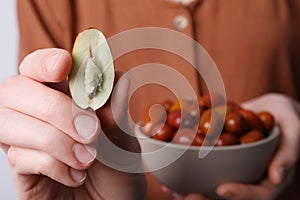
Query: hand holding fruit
[251, 122]
[286, 114]
[48, 143]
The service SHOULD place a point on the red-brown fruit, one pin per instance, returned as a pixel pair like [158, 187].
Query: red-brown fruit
[208, 127]
[235, 123]
[162, 132]
[252, 119]
[199, 140]
[251, 136]
[188, 136]
[267, 120]
[226, 139]
[177, 118]
[204, 123]
[174, 119]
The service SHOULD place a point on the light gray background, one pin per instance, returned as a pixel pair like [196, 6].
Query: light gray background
[8, 67]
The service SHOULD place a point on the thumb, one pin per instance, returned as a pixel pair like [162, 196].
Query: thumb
[50, 65]
[286, 157]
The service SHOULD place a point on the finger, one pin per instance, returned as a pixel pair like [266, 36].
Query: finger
[287, 155]
[26, 162]
[114, 115]
[39, 101]
[31, 133]
[47, 65]
[237, 191]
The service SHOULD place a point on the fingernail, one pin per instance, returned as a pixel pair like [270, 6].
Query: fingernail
[52, 62]
[86, 127]
[78, 176]
[84, 154]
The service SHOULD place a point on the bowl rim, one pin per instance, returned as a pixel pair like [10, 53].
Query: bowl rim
[274, 134]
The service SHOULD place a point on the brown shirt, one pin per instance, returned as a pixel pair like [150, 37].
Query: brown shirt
[254, 43]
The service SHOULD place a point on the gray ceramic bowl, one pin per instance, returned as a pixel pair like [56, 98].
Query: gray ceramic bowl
[180, 167]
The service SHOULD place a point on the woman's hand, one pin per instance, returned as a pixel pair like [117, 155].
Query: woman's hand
[280, 173]
[47, 138]
[281, 170]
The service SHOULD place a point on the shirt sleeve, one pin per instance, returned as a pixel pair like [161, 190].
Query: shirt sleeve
[45, 24]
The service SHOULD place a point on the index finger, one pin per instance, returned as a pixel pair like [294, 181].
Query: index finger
[47, 65]
[26, 96]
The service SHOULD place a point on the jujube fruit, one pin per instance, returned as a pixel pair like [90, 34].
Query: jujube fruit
[235, 123]
[226, 139]
[267, 120]
[252, 119]
[251, 136]
[162, 132]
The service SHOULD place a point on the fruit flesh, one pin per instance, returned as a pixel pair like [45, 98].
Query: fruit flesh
[92, 76]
